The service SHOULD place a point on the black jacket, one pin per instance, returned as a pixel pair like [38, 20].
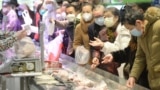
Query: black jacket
[71, 27]
[93, 31]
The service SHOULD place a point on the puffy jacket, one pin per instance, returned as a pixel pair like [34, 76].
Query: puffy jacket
[148, 54]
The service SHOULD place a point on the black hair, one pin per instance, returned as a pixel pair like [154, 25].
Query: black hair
[70, 5]
[76, 5]
[130, 16]
[123, 11]
[14, 2]
[11, 2]
[87, 4]
[114, 11]
[59, 2]
[141, 5]
[39, 7]
[144, 5]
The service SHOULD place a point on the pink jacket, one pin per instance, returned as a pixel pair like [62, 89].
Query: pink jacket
[10, 21]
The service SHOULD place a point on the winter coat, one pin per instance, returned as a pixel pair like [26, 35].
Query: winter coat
[148, 54]
[120, 43]
[81, 34]
[127, 56]
[104, 34]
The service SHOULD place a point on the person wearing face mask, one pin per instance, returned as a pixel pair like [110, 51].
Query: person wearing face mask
[147, 54]
[58, 14]
[63, 8]
[72, 22]
[80, 3]
[98, 24]
[81, 31]
[10, 18]
[23, 7]
[38, 18]
[61, 12]
[39, 13]
[69, 25]
[96, 27]
[50, 6]
[127, 55]
[117, 38]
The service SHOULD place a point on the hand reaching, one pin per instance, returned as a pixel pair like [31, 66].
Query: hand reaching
[131, 82]
[97, 42]
[107, 59]
[95, 62]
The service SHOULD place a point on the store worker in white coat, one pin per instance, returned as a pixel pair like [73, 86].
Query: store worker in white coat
[51, 7]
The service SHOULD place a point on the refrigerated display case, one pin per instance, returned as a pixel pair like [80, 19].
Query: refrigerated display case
[98, 79]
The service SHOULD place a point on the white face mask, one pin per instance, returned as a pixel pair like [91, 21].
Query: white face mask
[109, 22]
[71, 17]
[136, 32]
[99, 21]
[87, 17]
[50, 7]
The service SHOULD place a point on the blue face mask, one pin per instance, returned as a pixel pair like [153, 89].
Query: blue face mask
[19, 13]
[99, 21]
[42, 11]
[136, 32]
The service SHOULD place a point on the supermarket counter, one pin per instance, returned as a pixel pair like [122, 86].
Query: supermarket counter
[74, 77]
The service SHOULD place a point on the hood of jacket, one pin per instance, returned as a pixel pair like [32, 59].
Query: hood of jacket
[152, 14]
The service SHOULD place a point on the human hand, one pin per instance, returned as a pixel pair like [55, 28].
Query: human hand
[95, 62]
[107, 58]
[97, 42]
[131, 82]
[21, 34]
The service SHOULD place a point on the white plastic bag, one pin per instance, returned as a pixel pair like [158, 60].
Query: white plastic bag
[24, 48]
[54, 48]
[82, 55]
[26, 17]
[51, 27]
[27, 21]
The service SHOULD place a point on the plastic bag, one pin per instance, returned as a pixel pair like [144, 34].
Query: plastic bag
[82, 55]
[26, 17]
[54, 48]
[51, 27]
[27, 21]
[24, 48]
